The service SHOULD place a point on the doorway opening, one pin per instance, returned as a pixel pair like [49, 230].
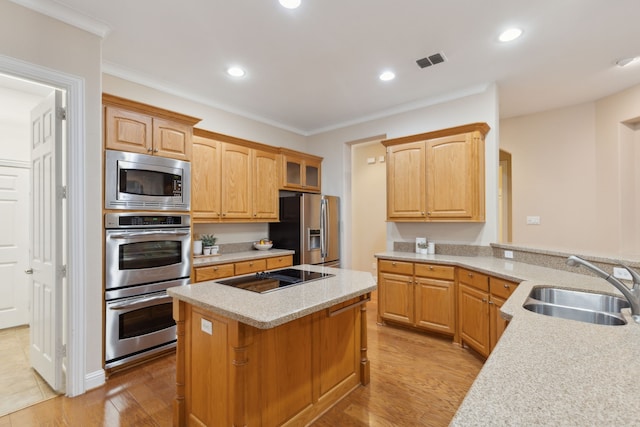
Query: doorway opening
[504, 199]
[368, 203]
[17, 101]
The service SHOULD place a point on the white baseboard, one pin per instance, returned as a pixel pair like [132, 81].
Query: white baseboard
[94, 379]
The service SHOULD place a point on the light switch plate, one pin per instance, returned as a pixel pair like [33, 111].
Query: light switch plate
[533, 220]
[206, 326]
[621, 273]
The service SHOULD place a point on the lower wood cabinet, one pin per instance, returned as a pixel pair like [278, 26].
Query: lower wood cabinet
[479, 300]
[417, 294]
[454, 301]
[220, 271]
[234, 374]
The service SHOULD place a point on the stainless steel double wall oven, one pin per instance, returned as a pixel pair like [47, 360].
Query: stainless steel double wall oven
[147, 250]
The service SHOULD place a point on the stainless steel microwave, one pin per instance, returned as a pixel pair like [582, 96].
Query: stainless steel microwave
[143, 182]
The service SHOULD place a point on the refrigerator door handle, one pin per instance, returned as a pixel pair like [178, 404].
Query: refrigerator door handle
[324, 234]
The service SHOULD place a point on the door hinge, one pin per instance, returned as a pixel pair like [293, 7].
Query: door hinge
[62, 113]
[63, 271]
[63, 192]
[62, 350]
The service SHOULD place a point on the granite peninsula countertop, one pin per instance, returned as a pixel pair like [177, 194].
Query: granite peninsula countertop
[271, 309]
[547, 370]
[204, 260]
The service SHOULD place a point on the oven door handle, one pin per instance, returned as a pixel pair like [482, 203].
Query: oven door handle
[148, 233]
[142, 302]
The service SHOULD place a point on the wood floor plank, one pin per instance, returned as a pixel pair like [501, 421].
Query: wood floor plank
[416, 379]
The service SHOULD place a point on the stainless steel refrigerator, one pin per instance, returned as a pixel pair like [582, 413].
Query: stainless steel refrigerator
[309, 224]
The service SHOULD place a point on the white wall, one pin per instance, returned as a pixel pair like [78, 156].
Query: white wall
[577, 168]
[336, 172]
[36, 39]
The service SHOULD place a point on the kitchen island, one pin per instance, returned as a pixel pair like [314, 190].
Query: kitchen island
[277, 358]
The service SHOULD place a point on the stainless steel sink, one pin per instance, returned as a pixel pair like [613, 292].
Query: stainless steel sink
[579, 299]
[601, 309]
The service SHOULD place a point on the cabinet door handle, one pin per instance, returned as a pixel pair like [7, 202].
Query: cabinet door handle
[490, 302]
[149, 150]
[422, 213]
[484, 300]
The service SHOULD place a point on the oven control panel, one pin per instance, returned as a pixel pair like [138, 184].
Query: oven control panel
[142, 220]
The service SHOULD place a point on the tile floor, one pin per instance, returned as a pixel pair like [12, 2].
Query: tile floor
[20, 386]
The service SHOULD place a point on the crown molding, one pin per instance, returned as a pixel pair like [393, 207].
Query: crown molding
[67, 15]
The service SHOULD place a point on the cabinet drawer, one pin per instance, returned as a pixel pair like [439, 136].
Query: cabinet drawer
[398, 267]
[213, 272]
[435, 271]
[279, 262]
[253, 266]
[474, 279]
[502, 288]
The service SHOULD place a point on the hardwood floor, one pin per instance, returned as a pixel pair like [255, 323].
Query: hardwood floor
[416, 380]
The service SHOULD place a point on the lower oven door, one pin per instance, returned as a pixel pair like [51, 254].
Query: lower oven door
[136, 326]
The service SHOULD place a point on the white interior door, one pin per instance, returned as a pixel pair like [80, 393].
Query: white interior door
[14, 246]
[46, 240]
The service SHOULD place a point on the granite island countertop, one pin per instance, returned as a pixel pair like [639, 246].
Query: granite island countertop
[274, 308]
[547, 370]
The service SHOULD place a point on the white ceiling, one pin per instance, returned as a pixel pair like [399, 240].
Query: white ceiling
[316, 68]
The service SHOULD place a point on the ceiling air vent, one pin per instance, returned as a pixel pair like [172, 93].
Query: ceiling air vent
[431, 60]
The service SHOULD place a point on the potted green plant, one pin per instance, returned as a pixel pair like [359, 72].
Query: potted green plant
[208, 242]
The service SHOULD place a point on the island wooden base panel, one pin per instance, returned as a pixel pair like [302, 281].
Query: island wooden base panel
[416, 379]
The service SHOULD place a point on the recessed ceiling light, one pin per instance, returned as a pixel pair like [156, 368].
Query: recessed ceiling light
[387, 75]
[510, 34]
[627, 61]
[290, 4]
[235, 71]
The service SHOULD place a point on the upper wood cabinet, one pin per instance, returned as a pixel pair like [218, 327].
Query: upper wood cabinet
[300, 171]
[140, 128]
[233, 180]
[437, 176]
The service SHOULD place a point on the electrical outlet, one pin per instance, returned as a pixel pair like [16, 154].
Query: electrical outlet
[533, 220]
[621, 273]
[206, 326]
[508, 254]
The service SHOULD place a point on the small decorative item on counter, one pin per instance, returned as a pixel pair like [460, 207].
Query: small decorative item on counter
[421, 245]
[208, 241]
[263, 245]
[197, 247]
[431, 248]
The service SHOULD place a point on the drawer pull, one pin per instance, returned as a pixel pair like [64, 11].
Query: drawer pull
[431, 267]
[215, 268]
[393, 263]
[469, 274]
[506, 286]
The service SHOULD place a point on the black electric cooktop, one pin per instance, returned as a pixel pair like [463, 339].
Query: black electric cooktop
[274, 280]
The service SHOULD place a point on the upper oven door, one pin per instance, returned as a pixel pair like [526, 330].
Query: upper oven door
[139, 181]
[139, 256]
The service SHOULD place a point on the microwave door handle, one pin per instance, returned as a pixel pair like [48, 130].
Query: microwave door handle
[142, 302]
[148, 233]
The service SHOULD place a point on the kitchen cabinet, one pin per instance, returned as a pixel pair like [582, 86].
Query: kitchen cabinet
[140, 128]
[231, 373]
[437, 176]
[419, 295]
[500, 291]
[221, 271]
[233, 180]
[300, 171]
[480, 298]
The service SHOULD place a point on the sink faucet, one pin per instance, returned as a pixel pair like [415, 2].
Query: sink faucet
[632, 295]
